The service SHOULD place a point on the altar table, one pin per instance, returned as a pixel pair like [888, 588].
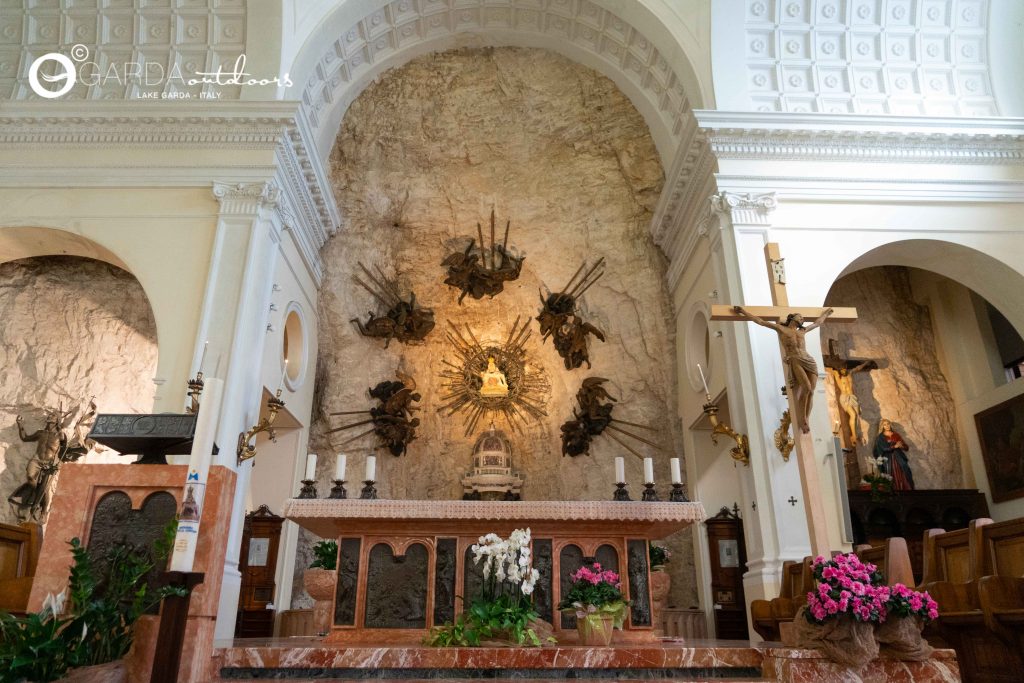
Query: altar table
[402, 563]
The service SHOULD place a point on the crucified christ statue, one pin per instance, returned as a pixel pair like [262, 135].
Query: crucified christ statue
[803, 370]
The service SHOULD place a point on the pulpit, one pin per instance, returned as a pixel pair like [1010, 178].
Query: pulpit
[403, 563]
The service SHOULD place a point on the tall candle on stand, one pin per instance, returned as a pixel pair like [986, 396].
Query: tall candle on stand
[371, 468]
[703, 380]
[620, 470]
[648, 470]
[187, 536]
[310, 467]
[676, 475]
[339, 467]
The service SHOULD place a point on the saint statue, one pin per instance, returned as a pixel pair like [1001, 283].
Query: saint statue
[890, 447]
[847, 400]
[802, 368]
[493, 381]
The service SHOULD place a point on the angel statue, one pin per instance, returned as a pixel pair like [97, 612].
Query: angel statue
[54, 446]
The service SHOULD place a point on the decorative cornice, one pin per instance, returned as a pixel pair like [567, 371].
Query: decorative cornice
[863, 139]
[744, 209]
[300, 191]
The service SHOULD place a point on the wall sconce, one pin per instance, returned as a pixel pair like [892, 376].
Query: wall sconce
[246, 451]
[741, 451]
[783, 441]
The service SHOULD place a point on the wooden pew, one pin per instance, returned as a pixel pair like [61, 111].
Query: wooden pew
[766, 615]
[1001, 588]
[892, 559]
[19, 553]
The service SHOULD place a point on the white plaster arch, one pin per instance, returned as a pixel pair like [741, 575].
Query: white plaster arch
[906, 57]
[640, 50]
[986, 274]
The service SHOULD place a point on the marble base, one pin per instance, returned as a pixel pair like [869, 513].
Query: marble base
[310, 659]
[809, 666]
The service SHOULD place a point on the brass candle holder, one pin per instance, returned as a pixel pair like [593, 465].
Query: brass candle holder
[245, 450]
[195, 390]
[620, 492]
[677, 495]
[741, 451]
[338, 490]
[308, 489]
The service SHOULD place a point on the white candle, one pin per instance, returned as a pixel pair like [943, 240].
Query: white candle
[311, 467]
[620, 470]
[284, 373]
[186, 538]
[371, 468]
[677, 477]
[703, 380]
[339, 467]
[202, 360]
[648, 470]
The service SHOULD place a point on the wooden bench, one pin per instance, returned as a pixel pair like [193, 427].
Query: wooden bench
[1001, 588]
[892, 559]
[766, 615]
[19, 553]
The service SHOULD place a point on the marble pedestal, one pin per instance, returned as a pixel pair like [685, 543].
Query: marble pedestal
[80, 488]
[794, 665]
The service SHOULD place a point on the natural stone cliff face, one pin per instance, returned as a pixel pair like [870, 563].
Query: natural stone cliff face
[910, 388]
[72, 328]
[422, 156]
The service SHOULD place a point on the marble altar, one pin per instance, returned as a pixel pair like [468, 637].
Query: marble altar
[402, 563]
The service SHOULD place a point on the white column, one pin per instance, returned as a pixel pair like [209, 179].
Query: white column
[234, 320]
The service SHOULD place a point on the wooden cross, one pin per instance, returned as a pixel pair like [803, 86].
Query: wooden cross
[778, 312]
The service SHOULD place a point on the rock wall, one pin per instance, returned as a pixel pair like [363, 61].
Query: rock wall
[72, 328]
[910, 388]
[424, 154]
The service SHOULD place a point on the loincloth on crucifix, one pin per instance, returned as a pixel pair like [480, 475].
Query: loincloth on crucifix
[800, 359]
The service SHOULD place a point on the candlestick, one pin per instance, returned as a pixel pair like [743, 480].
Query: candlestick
[338, 490]
[195, 480]
[677, 477]
[650, 495]
[648, 470]
[308, 489]
[620, 470]
[677, 495]
[703, 380]
[620, 492]
[371, 468]
[368, 492]
[339, 467]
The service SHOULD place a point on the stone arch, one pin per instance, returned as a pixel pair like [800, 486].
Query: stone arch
[641, 53]
[985, 274]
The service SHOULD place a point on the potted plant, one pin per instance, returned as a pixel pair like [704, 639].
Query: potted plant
[842, 611]
[84, 633]
[659, 555]
[595, 598]
[503, 612]
[907, 611]
[319, 581]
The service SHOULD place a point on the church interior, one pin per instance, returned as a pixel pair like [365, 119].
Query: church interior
[489, 339]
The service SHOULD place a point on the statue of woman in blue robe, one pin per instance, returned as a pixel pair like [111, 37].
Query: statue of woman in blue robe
[889, 445]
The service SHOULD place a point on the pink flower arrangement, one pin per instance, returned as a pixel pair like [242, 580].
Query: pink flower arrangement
[594, 575]
[907, 602]
[848, 586]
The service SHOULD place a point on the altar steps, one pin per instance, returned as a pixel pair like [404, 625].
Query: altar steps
[306, 659]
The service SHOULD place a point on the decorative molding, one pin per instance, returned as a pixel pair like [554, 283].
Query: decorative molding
[926, 57]
[745, 208]
[863, 139]
[291, 181]
[410, 26]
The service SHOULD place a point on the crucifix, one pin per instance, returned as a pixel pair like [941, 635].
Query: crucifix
[842, 371]
[802, 370]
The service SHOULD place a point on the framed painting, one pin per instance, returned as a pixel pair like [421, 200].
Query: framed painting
[1001, 433]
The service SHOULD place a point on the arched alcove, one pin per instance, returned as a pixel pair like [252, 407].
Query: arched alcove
[75, 329]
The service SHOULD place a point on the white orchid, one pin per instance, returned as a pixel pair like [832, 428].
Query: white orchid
[54, 604]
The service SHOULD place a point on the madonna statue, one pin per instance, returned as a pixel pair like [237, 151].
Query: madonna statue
[889, 445]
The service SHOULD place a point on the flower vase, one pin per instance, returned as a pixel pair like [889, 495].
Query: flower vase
[842, 639]
[111, 672]
[900, 638]
[596, 629]
[319, 583]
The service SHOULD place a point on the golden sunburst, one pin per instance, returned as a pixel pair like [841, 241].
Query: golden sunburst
[527, 387]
